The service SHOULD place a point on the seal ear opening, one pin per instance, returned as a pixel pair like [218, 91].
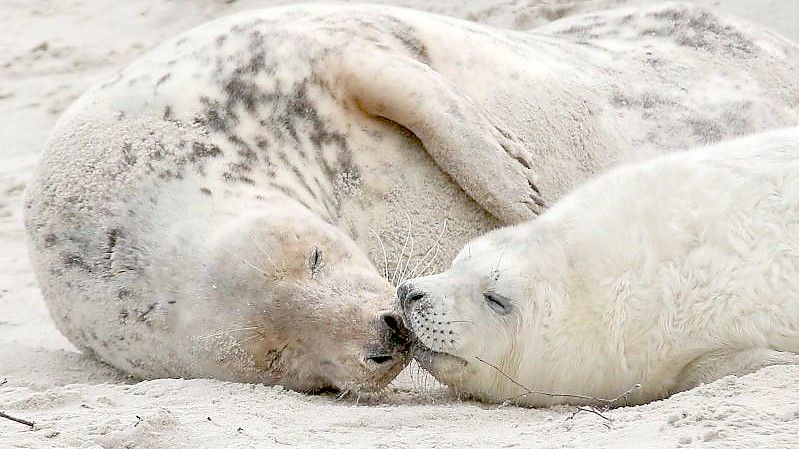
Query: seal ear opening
[477, 151]
[314, 261]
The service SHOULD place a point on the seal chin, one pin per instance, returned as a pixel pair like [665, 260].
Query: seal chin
[440, 364]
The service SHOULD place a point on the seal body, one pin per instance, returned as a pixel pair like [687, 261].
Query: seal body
[665, 274]
[237, 203]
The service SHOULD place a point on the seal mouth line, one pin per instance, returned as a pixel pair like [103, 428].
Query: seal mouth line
[420, 349]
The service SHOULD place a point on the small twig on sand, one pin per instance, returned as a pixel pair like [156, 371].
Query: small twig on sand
[19, 420]
[605, 404]
[593, 410]
[3, 382]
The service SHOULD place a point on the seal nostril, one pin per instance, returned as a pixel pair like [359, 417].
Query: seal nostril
[414, 296]
[394, 330]
[407, 293]
[380, 359]
[391, 321]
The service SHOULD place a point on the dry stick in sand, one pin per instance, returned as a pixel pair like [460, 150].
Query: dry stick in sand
[19, 420]
[597, 410]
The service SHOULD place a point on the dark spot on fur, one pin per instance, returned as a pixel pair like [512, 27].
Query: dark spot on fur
[128, 154]
[408, 39]
[142, 315]
[124, 294]
[76, 261]
[230, 177]
[705, 130]
[50, 240]
[216, 117]
[201, 151]
[162, 79]
[111, 243]
[701, 30]
[206, 191]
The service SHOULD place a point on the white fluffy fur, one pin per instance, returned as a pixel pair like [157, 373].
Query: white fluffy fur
[666, 274]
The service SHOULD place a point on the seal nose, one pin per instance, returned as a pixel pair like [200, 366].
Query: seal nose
[407, 294]
[392, 329]
[395, 339]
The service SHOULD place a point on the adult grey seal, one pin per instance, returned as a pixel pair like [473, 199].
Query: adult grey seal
[665, 274]
[208, 211]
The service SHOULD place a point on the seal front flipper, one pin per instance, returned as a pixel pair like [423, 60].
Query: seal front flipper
[477, 151]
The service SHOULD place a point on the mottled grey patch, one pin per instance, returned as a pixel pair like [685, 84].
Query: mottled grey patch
[76, 261]
[111, 243]
[581, 29]
[239, 168]
[707, 131]
[242, 91]
[407, 36]
[230, 177]
[50, 240]
[702, 31]
[142, 315]
[205, 191]
[123, 294]
[201, 151]
[128, 155]
[216, 116]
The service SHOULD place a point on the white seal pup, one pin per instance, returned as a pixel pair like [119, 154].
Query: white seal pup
[207, 211]
[666, 274]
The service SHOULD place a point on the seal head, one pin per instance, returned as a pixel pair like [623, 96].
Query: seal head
[313, 303]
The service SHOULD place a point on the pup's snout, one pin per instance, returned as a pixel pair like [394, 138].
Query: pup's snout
[408, 294]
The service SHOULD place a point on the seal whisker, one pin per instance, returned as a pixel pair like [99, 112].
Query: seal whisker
[410, 255]
[225, 332]
[435, 246]
[251, 337]
[262, 251]
[402, 252]
[382, 248]
[429, 265]
[246, 262]
[343, 394]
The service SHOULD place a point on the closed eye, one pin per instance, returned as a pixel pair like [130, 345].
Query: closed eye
[498, 303]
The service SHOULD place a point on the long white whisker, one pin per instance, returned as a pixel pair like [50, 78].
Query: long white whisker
[262, 251]
[230, 331]
[430, 263]
[410, 255]
[402, 253]
[251, 337]
[499, 259]
[432, 247]
[247, 263]
[382, 248]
